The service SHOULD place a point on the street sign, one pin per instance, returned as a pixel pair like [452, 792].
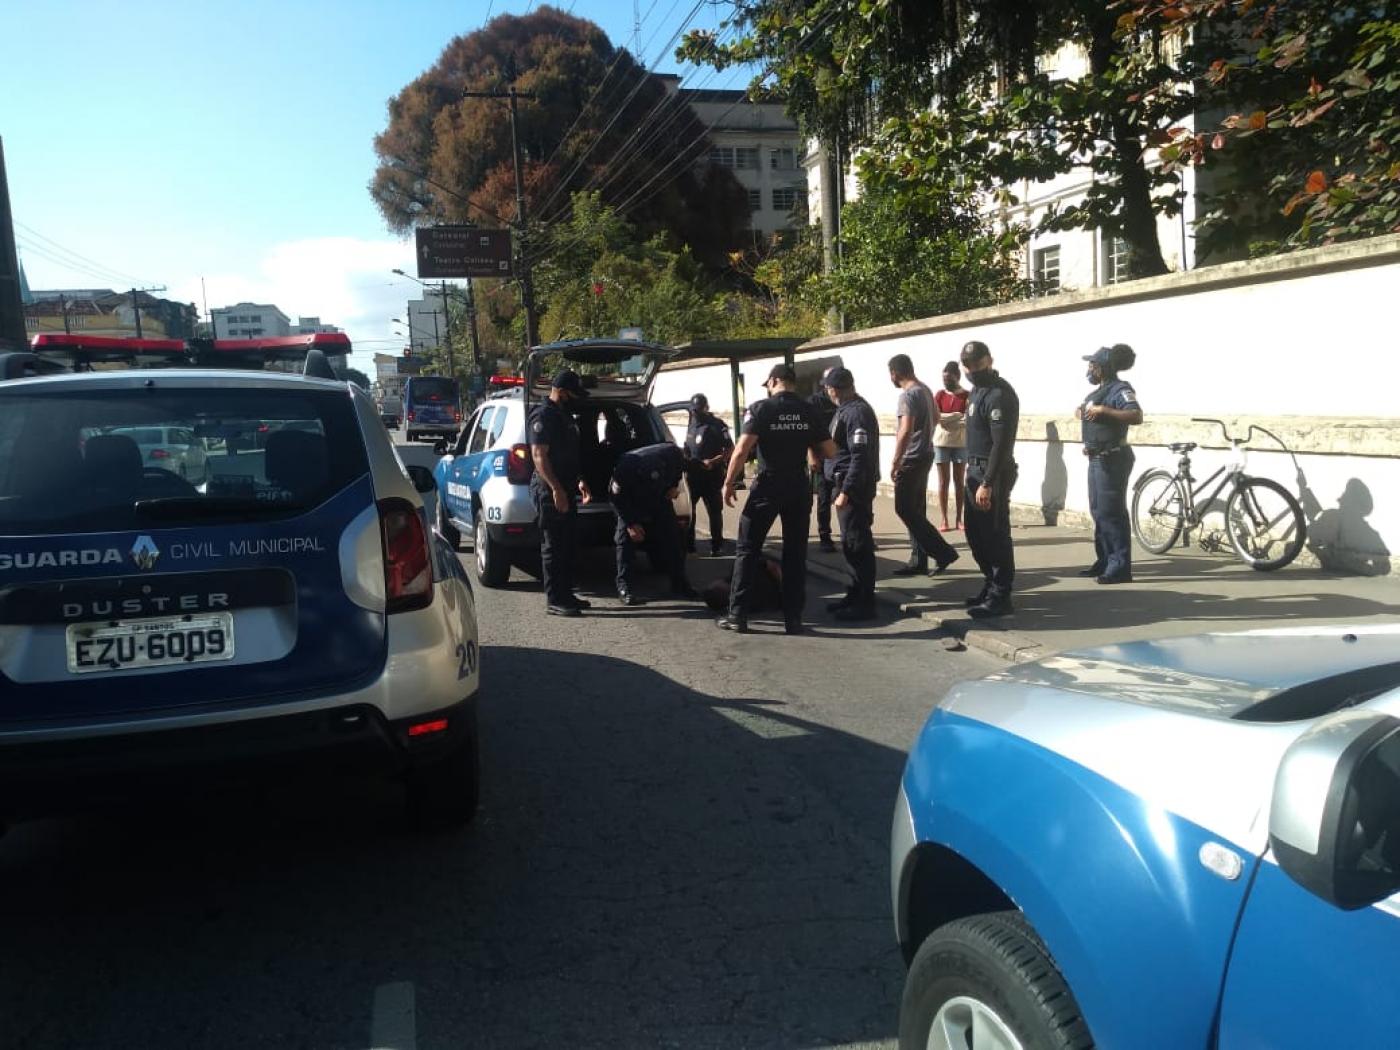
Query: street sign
[462, 251]
[630, 333]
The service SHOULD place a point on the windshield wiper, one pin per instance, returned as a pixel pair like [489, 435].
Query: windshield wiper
[184, 507]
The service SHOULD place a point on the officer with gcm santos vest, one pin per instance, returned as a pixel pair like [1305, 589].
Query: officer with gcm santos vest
[555, 488]
[993, 414]
[1105, 415]
[854, 474]
[783, 429]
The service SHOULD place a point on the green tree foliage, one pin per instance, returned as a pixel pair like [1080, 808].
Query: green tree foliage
[950, 89]
[354, 375]
[600, 274]
[445, 158]
[902, 261]
[780, 289]
[1308, 151]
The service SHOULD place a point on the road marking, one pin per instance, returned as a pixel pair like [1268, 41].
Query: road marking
[394, 1024]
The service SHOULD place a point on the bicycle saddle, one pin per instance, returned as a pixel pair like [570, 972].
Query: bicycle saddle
[1182, 446]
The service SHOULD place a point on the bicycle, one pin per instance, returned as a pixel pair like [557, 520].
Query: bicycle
[1264, 521]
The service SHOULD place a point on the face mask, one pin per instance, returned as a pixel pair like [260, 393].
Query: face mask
[1092, 377]
[950, 383]
[986, 377]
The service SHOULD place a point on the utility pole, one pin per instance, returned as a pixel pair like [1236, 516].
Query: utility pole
[12, 330]
[447, 319]
[527, 284]
[63, 305]
[471, 320]
[136, 305]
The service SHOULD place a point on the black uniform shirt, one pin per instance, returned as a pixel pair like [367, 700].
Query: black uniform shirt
[707, 437]
[554, 427]
[1101, 434]
[642, 479]
[825, 410]
[993, 414]
[856, 431]
[786, 427]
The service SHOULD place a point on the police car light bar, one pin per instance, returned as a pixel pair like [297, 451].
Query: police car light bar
[506, 381]
[286, 346]
[104, 346]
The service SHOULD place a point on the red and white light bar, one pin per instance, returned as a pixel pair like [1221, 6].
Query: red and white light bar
[104, 346]
[290, 346]
[503, 381]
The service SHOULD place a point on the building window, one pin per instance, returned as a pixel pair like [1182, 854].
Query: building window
[746, 158]
[1115, 260]
[1046, 264]
[256, 318]
[755, 200]
[723, 156]
[784, 199]
[784, 159]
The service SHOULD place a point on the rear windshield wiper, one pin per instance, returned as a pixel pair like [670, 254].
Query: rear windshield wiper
[185, 507]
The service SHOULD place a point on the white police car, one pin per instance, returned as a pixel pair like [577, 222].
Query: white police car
[484, 480]
[1186, 843]
[292, 607]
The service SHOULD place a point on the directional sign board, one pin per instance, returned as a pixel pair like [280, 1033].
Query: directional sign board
[462, 251]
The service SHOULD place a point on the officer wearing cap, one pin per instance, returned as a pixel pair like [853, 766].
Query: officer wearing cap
[854, 474]
[1105, 416]
[707, 448]
[993, 414]
[821, 484]
[643, 485]
[555, 487]
[783, 429]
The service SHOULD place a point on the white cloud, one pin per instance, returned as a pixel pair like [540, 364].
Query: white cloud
[345, 281]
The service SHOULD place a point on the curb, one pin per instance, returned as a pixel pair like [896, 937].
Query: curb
[1012, 646]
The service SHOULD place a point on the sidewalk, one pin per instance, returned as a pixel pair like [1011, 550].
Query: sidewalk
[1184, 592]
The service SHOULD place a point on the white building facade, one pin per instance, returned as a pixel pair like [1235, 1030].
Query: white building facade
[250, 321]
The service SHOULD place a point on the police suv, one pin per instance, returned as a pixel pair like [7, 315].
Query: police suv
[291, 605]
[1184, 843]
[484, 480]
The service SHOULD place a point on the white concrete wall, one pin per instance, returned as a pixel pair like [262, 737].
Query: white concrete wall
[1307, 343]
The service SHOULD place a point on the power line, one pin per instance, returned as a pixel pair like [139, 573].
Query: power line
[92, 264]
[37, 250]
[642, 80]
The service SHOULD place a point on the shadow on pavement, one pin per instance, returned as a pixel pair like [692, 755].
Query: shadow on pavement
[651, 866]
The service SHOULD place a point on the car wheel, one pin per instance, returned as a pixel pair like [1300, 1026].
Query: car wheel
[492, 560]
[445, 792]
[450, 532]
[987, 981]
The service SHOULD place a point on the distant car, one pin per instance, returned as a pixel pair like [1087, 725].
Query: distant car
[483, 481]
[1191, 843]
[391, 412]
[295, 611]
[174, 449]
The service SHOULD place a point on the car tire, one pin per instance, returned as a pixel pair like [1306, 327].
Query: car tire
[990, 972]
[445, 792]
[450, 532]
[492, 560]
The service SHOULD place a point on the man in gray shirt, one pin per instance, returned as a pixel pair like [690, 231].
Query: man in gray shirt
[913, 458]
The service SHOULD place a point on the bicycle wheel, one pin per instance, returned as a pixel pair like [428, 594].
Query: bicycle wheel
[1159, 511]
[1265, 524]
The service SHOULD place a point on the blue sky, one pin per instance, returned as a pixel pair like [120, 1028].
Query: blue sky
[164, 140]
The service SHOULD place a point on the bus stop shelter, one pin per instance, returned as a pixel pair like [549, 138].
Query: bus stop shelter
[733, 352]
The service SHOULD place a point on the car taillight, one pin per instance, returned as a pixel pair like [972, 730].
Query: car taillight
[410, 415]
[159, 453]
[456, 415]
[408, 568]
[519, 465]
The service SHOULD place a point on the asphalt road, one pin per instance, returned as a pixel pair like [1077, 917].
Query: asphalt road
[683, 842]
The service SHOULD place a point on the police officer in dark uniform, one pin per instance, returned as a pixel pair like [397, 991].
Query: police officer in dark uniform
[643, 485]
[993, 414]
[555, 487]
[1105, 415]
[784, 429]
[821, 484]
[854, 474]
[707, 448]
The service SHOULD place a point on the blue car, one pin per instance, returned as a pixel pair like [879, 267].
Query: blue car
[1176, 844]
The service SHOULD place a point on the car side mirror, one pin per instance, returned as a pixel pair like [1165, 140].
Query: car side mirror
[422, 478]
[1334, 824]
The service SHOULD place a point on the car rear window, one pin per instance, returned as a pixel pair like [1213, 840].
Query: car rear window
[430, 389]
[72, 461]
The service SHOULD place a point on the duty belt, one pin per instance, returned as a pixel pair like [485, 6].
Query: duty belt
[1095, 453]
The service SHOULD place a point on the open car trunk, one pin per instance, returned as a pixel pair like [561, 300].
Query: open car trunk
[611, 369]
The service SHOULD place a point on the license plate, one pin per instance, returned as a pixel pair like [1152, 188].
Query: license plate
[159, 642]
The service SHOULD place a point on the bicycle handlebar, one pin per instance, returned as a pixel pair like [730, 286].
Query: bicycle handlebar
[1249, 436]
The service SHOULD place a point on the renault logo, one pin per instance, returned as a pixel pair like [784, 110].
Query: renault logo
[145, 553]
